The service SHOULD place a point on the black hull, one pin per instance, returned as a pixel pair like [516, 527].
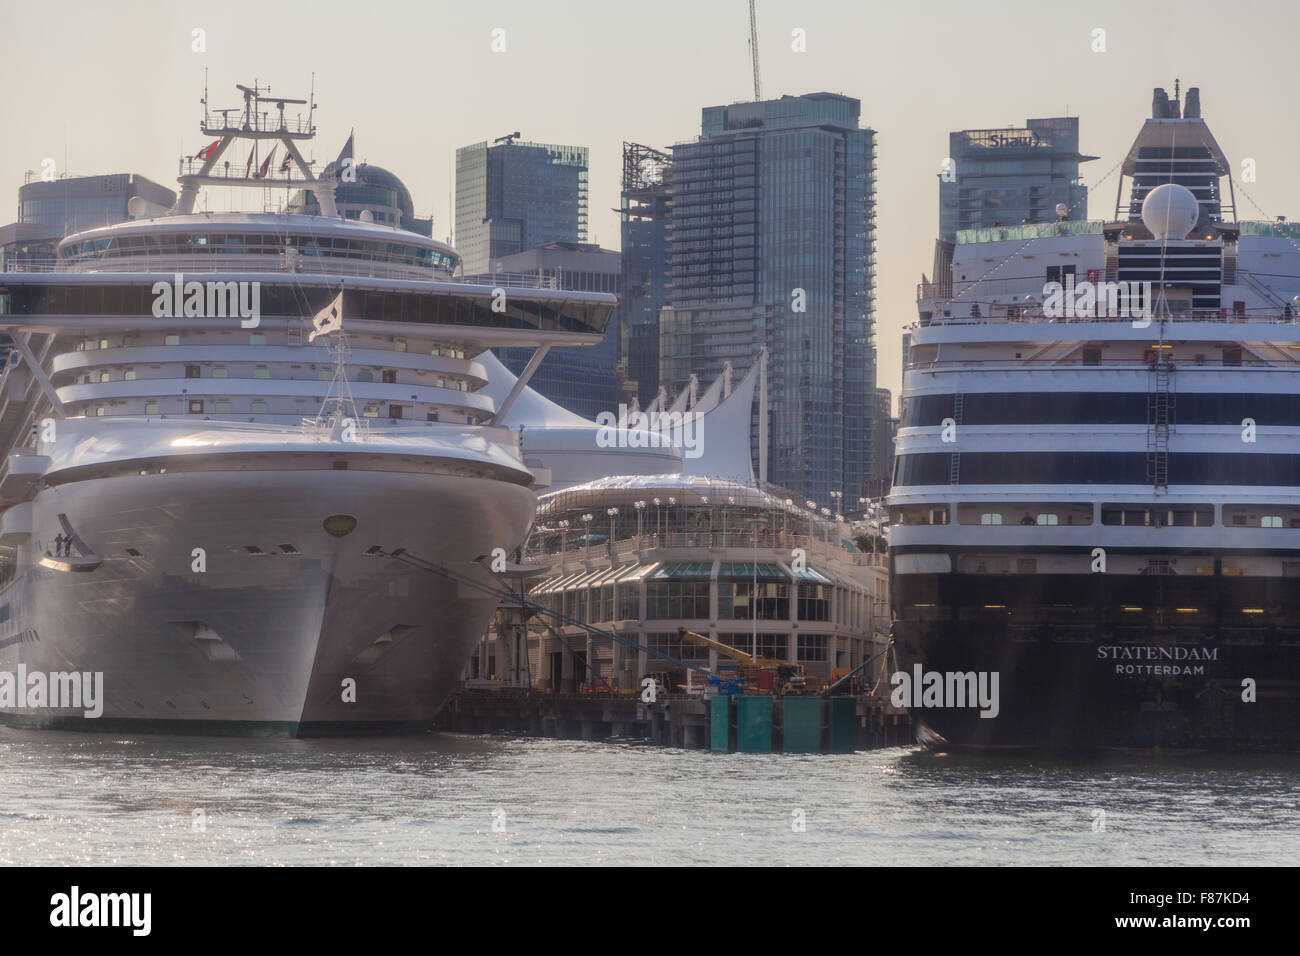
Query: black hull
[1107, 662]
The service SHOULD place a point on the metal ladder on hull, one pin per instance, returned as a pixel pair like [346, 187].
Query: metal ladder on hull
[1160, 421]
[954, 461]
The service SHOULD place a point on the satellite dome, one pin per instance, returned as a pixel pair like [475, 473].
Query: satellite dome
[1170, 211]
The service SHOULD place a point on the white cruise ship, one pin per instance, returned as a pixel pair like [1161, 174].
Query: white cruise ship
[203, 506]
[1097, 487]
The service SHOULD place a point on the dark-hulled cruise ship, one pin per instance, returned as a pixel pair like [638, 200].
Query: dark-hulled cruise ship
[1096, 501]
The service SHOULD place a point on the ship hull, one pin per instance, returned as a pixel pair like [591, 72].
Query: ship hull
[1089, 663]
[219, 604]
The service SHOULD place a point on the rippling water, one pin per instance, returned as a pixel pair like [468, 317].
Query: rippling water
[90, 799]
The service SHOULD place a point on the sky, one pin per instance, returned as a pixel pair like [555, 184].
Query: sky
[113, 87]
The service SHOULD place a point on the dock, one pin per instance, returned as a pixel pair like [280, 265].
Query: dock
[723, 724]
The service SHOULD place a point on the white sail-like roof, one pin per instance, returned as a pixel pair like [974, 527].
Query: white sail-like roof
[725, 434]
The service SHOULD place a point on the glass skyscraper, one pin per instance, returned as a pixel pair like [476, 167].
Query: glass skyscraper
[1003, 177]
[513, 196]
[772, 243]
[644, 233]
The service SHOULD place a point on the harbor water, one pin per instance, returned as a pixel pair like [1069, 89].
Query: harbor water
[89, 799]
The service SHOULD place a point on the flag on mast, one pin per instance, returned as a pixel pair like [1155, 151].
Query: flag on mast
[328, 319]
[208, 150]
[248, 167]
[266, 164]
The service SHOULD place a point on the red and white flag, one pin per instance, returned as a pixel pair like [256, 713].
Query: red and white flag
[207, 151]
[266, 164]
[248, 167]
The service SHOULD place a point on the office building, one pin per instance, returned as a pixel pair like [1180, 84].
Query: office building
[1009, 176]
[512, 196]
[771, 243]
[72, 204]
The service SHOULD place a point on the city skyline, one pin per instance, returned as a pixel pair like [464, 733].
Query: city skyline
[951, 60]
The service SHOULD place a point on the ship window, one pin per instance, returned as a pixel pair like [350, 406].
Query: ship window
[370, 411]
[1270, 521]
[103, 343]
[442, 383]
[220, 371]
[1092, 356]
[1048, 519]
[400, 345]
[365, 376]
[196, 406]
[223, 407]
[431, 416]
[128, 375]
[390, 376]
[99, 409]
[103, 376]
[171, 338]
[257, 338]
[991, 517]
[258, 407]
[151, 408]
[394, 411]
[1232, 356]
[324, 375]
[261, 371]
[435, 351]
[191, 371]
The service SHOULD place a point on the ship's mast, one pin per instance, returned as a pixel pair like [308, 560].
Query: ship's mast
[257, 125]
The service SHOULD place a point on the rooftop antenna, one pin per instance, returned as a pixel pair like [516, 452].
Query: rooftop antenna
[753, 50]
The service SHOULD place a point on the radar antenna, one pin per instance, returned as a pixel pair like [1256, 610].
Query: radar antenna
[257, 125]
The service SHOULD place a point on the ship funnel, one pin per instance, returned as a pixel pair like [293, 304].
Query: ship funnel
[1192, 106]
[1159, 104]
[1170, 211]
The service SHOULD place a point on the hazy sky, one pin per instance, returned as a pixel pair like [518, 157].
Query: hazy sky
[115, 86]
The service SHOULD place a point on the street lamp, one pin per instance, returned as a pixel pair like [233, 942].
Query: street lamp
[586, 520]
[613, 513]
[640, 506]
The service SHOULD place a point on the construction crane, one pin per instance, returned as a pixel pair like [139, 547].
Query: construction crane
[507, 139]
[787, 679]
[753, 50]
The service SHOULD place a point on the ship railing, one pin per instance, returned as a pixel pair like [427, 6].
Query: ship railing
[223, 123]
[1182, 360]
[300, 264]
[575, 544]
[510, 280]
[1000, 314]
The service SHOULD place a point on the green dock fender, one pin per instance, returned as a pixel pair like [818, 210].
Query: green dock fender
[754, 725]
[720, 724]
[803, 725]
[844, 725]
